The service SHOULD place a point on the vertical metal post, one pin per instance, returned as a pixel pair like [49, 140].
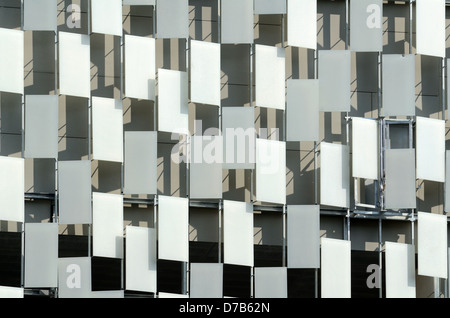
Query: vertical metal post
[22, 258]
[284, 237]
[316, 185]
[444, 88]
[410, 26]
[380, 257]
[220, 231]
[89, 127]
[346, 24]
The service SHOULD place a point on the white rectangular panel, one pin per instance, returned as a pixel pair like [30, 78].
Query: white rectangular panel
[10, 292]
[271, 171]
[334, 175]
[366, 19]
[302, 114]
[238, 233]
[106, 16]
[139, 2]
[270, 77]
[447, 182]
[41, 255]
[107, 129]
[302, 23]
[40, 15]
[12, 172]
[430, 149]
[74, 64]
[108, 294]
[173, 228]
[239, 137]
[432, 244]
[270, 6]
[303, 236]
[74, 192]
[74, 277]
[140, 67]
[140, 166]
[271, 282]
[206, 167]
[206, 280]
[205, 73]
[334, 80]
[430, 27]
[107, 220]
[398, 78]
[172, 19]
[171, 295]
[335, 268]
[140, 259]
[11, 61]
[365, 148]
[400, 270]
[41, 126]
[236, 21]
[173, 101]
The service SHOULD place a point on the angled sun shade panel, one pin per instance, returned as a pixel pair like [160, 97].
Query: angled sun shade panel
[74, 277]
[205, 73]
[172, 19]
[237, 21]
[206, 167]
[171, 295]
[173, 228]
[271, 282]
[107, 129]
[335, 268]
[140, 167]
[270, 7]
[400, 190]
[206, 280]
[398, 85]
[11, 61]
[41, 126]
[400, 270]
[41, 255]
[140, 67]
[365, 148]
[238, 233]
[302, 23]
[10, 292]
[74, 192]
[239, 137]
[12, 206]
[74, 64]
[107, 220]
[270, 77]
[107, 16]
[334, 80]
[140, 259]
[271, 171]
[302, 110]
[334, 175]
[430, 27]
[447, 182]
[173, 101]
[430, 149]
[366, 19]
[303, 236]
[40, 15]
[432, 244]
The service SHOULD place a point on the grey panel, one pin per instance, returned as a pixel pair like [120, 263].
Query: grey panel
[172, 19]
[41, 255]
[334, 80]
[40, 15]
[74, 279]
[139, 2]
[366, 18]
[206, 280]
[74, 185]
[237, 21]
[41, 126]
[141, 155]
[302, 110]
[271, 282]
[400, 191]
[447, 182]
[270, 6]
[398, 85]
[303, 236]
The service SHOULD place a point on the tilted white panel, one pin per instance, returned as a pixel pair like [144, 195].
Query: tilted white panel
[107, 16]
[335, 268]
[12, 206]
[12, 61]
[430, 27]
[302, 23]
[400, 270]
[365, 148]
[236, 21]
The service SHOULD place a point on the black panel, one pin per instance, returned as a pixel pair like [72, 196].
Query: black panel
[169, 276]
[360, 260]
[268, 256]
[106, 273]
[73, 246]
[204, 252]
[302, 282]
[10, 259]
[236, 281]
